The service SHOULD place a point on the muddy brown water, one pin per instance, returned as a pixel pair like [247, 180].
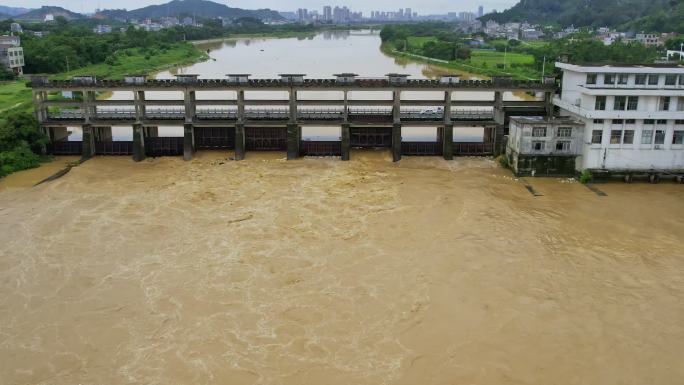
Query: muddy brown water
[318, 271]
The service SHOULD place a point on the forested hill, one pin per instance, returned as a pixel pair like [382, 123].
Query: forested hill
[40, 13]
[596, 13]
[197, 8]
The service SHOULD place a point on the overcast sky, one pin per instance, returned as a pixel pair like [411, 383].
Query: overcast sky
[420, 6]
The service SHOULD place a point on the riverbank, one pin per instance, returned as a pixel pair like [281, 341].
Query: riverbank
[15, 95]
[483, 61]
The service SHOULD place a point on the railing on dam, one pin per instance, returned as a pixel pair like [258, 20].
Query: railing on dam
[178, 114]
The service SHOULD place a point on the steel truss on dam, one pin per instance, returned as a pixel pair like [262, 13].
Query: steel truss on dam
[243, 124]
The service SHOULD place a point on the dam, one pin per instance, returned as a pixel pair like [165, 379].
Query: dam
[234, 117]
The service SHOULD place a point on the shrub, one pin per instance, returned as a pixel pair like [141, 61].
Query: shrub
[503, 161]
[19, 158]
[586, 176]
[20, 142]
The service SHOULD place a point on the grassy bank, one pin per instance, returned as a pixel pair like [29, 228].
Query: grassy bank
[481, 62]
[18, 130]
[15, 95]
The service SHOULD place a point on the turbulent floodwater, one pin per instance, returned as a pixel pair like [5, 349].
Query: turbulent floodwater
[318, 271]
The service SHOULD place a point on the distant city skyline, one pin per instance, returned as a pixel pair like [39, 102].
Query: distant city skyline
[423, 7]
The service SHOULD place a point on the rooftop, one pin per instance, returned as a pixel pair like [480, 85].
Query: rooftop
[612, 67]
[545, 120]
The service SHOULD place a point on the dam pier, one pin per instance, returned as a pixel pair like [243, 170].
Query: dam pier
[242, 114]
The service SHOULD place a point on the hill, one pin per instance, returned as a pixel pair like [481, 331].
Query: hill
[596, 13]
[670, 19]
[12, 11]
[197, 8]
[39, 14]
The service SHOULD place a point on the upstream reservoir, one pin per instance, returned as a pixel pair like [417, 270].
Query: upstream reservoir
[319, 56]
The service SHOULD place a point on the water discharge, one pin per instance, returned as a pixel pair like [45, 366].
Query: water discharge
[318, 271]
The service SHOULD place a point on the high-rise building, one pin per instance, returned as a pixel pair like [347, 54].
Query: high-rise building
[480, 11]
[327, 13]
[408, 13]
[302, 14]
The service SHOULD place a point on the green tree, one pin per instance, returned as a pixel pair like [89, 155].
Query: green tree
[20, 142]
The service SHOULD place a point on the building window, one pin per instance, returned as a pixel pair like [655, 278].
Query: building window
[628, 137]
[563, 146]
[661, 122]
[649, 121]
[609, 79]
[681, 80]
[679, 122]
[653, 80]
[618, 122]
[646, 136]
[537, 146]
[596, 136]
[620, 103]
[615, 136]
[678, 137]
[600, 103]
[633, 103]
[640, 80]
[539, 132]
[598, 121]
[622, 78]
[630, 121]
[670, 80]
[660, 137]
[664, 104]
[564, 132]
[591, 78]
[680, 103]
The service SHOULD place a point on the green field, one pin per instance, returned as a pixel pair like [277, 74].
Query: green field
[136, 61]
[417, 42]
[482, 62]
[15, 94]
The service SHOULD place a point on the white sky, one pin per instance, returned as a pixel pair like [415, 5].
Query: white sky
[420, 6]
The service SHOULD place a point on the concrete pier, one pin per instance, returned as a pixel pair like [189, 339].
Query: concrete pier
[138, 142]
[345, 138]
[396, 142]
[88, 142]
[240, 142]
[188, 141]
[294, 137]
[447, 136]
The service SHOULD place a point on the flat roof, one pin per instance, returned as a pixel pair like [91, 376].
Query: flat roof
[544, 119]
[619, 67]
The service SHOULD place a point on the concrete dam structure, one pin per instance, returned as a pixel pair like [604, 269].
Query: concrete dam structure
[234, 120]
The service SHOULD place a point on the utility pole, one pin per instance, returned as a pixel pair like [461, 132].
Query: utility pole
[67, 62]
[505, 54]
[544, 68]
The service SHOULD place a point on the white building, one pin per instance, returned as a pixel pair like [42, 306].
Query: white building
[540, 146]
[102, 28]
[11, 54]
[633, 115]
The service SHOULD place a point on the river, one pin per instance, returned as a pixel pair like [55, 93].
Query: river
[318, 271]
